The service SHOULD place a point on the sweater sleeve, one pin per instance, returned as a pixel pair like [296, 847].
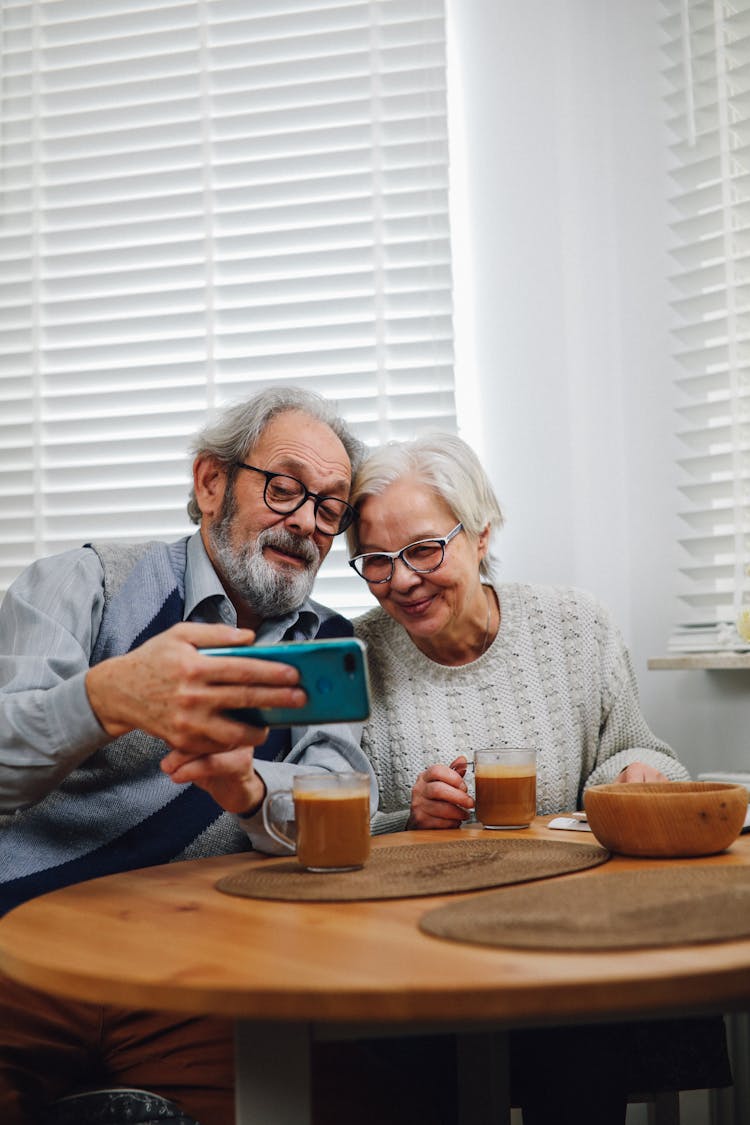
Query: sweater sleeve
[624, 735]
[394, 821]
[48, 621]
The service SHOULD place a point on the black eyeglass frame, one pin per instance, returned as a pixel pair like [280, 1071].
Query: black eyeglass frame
[348, 514]
[442, 540]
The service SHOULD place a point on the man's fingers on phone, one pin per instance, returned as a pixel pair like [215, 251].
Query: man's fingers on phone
[248, 670]
[203, 635]
[237, 698]
[226, 734]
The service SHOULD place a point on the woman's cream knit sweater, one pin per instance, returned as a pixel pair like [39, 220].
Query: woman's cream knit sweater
[557, 677]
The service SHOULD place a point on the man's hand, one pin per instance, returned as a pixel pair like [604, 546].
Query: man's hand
[439, 798]
[172, 691]
[639, 771]
[229, 776]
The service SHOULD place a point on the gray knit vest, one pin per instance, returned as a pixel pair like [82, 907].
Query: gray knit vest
[117, 810]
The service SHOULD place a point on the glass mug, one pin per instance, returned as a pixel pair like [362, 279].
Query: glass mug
[331, 821]
[505, 787]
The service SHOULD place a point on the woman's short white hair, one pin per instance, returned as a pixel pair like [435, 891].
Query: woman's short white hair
[442, 462]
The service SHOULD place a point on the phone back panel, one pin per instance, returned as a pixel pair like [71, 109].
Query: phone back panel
[332, 671]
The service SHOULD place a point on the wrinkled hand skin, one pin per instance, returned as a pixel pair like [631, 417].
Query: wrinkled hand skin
[639, 771]
[228, 776]
[172, 691]
[440, 798]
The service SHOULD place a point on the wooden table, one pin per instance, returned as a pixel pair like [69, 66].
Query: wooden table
[164, 937]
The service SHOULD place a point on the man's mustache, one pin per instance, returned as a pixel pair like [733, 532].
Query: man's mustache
[291, 544]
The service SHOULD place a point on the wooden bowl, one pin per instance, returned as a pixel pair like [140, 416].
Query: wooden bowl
[668, 818]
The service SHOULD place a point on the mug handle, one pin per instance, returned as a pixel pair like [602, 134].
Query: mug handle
[272, 824]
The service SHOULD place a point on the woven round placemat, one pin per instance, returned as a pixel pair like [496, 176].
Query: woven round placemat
[622, 910]
[418, 869]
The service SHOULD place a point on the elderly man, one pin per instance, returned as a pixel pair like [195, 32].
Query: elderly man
[116, 746]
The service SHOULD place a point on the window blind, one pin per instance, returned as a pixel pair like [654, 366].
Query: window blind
[707, 71]
[198, 199]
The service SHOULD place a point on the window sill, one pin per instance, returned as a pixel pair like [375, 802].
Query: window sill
[685, 661]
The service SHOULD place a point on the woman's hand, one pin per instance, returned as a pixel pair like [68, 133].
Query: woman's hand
[639, 771]
[439, 798]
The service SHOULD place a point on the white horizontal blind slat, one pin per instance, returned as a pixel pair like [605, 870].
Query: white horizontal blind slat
[707, 109]
[199, 199]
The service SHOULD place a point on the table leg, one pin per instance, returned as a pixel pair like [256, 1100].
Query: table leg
[483, 1077]
[273, 1081]
[273, 1073]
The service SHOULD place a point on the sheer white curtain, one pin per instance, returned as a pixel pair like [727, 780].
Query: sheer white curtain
[707, 72]
[198, 199]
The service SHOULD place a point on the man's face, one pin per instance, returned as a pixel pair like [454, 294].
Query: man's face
[269, 560]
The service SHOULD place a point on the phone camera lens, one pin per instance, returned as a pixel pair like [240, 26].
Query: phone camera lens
[350, 664]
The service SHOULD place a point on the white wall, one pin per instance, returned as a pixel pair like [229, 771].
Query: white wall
[563, 368]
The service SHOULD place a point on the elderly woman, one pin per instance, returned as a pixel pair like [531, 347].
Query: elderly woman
[460, 661]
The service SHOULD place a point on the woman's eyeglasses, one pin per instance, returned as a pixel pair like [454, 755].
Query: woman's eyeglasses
[283, 495]
[422, 557]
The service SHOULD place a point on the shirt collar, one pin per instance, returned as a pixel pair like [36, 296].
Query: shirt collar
[207, 601]
[205, 597]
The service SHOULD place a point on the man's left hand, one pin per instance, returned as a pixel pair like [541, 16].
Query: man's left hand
[229, 776]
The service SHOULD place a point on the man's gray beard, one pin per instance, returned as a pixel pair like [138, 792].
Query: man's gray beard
[269, 590]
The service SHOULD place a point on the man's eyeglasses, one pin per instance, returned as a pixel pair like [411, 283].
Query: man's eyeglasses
[423, 557]
[283, 495]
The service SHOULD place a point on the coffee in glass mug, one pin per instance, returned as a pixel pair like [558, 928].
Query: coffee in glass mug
[505, 794]
[331, 820]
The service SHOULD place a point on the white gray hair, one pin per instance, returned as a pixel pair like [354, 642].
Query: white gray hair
[232, 435]
[445, 464]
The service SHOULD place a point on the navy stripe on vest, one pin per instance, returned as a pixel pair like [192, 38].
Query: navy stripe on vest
[157, 839]
[335, 626]
[277, 745]
[169, 614]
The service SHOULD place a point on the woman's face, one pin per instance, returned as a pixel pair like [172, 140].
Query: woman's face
[427, 605]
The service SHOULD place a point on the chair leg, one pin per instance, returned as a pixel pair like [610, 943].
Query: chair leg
[664, 1109]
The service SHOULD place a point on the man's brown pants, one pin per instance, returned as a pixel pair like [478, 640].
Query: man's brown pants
[51, 1047]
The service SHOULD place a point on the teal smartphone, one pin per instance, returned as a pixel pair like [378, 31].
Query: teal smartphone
[333, 672]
